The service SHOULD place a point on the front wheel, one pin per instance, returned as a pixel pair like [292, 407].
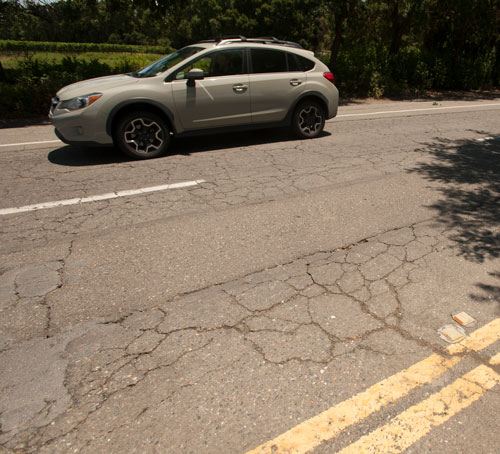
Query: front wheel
[142, 135]
[308, 120]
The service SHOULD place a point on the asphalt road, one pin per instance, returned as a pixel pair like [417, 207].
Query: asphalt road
[252, 293]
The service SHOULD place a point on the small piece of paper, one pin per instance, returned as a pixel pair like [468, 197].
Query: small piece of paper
[463, 319]
[451, 333]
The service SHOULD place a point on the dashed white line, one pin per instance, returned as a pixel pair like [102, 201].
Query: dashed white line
[97, 198]
[29, 143]
[418, 110]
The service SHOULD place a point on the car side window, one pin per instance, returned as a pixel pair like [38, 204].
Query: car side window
[306, 64]
[298, 63]
[216, 64]
[268, 61]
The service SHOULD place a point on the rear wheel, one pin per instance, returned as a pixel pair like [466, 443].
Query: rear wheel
[308, 119]
[142, 135]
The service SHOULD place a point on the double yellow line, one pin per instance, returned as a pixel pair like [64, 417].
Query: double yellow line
[412, 424]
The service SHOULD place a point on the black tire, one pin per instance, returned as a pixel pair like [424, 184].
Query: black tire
[142, 135]
[308, 119]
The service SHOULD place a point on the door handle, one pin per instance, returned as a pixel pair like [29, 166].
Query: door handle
[240, 88]
[295, 82]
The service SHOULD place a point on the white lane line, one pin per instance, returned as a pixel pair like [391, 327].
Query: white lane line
[29, 143]
[96, 198]
[417, 110]
[338, 116]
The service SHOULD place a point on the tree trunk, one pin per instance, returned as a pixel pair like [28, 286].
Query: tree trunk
[397, 30]
[339, 27]
[3, 77]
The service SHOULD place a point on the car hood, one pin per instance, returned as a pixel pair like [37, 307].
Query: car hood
[97, 85]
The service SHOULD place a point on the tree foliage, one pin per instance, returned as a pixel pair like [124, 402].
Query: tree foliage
[373, 46]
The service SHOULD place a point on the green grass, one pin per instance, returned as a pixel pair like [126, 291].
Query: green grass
[41, 46]
[10, 60]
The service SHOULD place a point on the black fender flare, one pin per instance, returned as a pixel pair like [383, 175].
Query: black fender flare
[307, 94]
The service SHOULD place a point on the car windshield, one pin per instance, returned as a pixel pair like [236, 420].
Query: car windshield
[167, 62]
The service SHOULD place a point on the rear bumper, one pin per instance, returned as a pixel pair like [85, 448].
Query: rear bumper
[333, 103]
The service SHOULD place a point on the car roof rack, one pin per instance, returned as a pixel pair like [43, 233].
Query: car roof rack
[276, 41]
[260, 40]
[220, 39]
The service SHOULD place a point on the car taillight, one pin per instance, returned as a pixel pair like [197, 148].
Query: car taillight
[328, 76]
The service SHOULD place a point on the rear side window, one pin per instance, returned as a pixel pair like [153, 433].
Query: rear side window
[268, 61]
[298, 63]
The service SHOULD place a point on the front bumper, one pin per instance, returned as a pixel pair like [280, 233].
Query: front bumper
[80, 143]
[84, 127]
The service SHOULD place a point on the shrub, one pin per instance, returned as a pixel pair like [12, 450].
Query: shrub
[76, 48]
[360, 71]
[370, 71]
[30, 85]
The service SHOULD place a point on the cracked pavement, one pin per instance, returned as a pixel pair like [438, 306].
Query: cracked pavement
[213, 319]
[247, 168]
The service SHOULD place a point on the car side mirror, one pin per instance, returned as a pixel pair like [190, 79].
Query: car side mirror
[194, 74]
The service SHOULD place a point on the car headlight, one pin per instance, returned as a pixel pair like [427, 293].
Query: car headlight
[80, 101]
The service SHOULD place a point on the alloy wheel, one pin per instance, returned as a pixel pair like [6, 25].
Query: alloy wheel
[145, 135]
[310, 120]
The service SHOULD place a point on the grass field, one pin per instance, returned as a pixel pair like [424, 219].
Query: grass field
[10, 60]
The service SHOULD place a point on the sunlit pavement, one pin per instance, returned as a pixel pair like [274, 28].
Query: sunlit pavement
[287, 302]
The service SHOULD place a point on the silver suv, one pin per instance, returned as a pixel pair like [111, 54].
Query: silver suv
[220, 84]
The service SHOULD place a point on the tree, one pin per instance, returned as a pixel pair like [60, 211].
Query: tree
[341, 11]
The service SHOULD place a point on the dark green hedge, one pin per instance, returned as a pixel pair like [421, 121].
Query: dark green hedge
[372, 71]
[40, 46]
[26, 90]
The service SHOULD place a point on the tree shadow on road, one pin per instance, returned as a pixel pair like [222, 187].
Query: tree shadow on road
[470, 207]
[471, 197]
[489, 291]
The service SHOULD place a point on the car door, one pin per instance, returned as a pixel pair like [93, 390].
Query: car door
[221, 98]
[274, 84]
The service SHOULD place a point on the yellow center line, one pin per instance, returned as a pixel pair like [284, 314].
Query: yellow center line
[328, 424]
[478, 340]
[414, 423]
[495, 361]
